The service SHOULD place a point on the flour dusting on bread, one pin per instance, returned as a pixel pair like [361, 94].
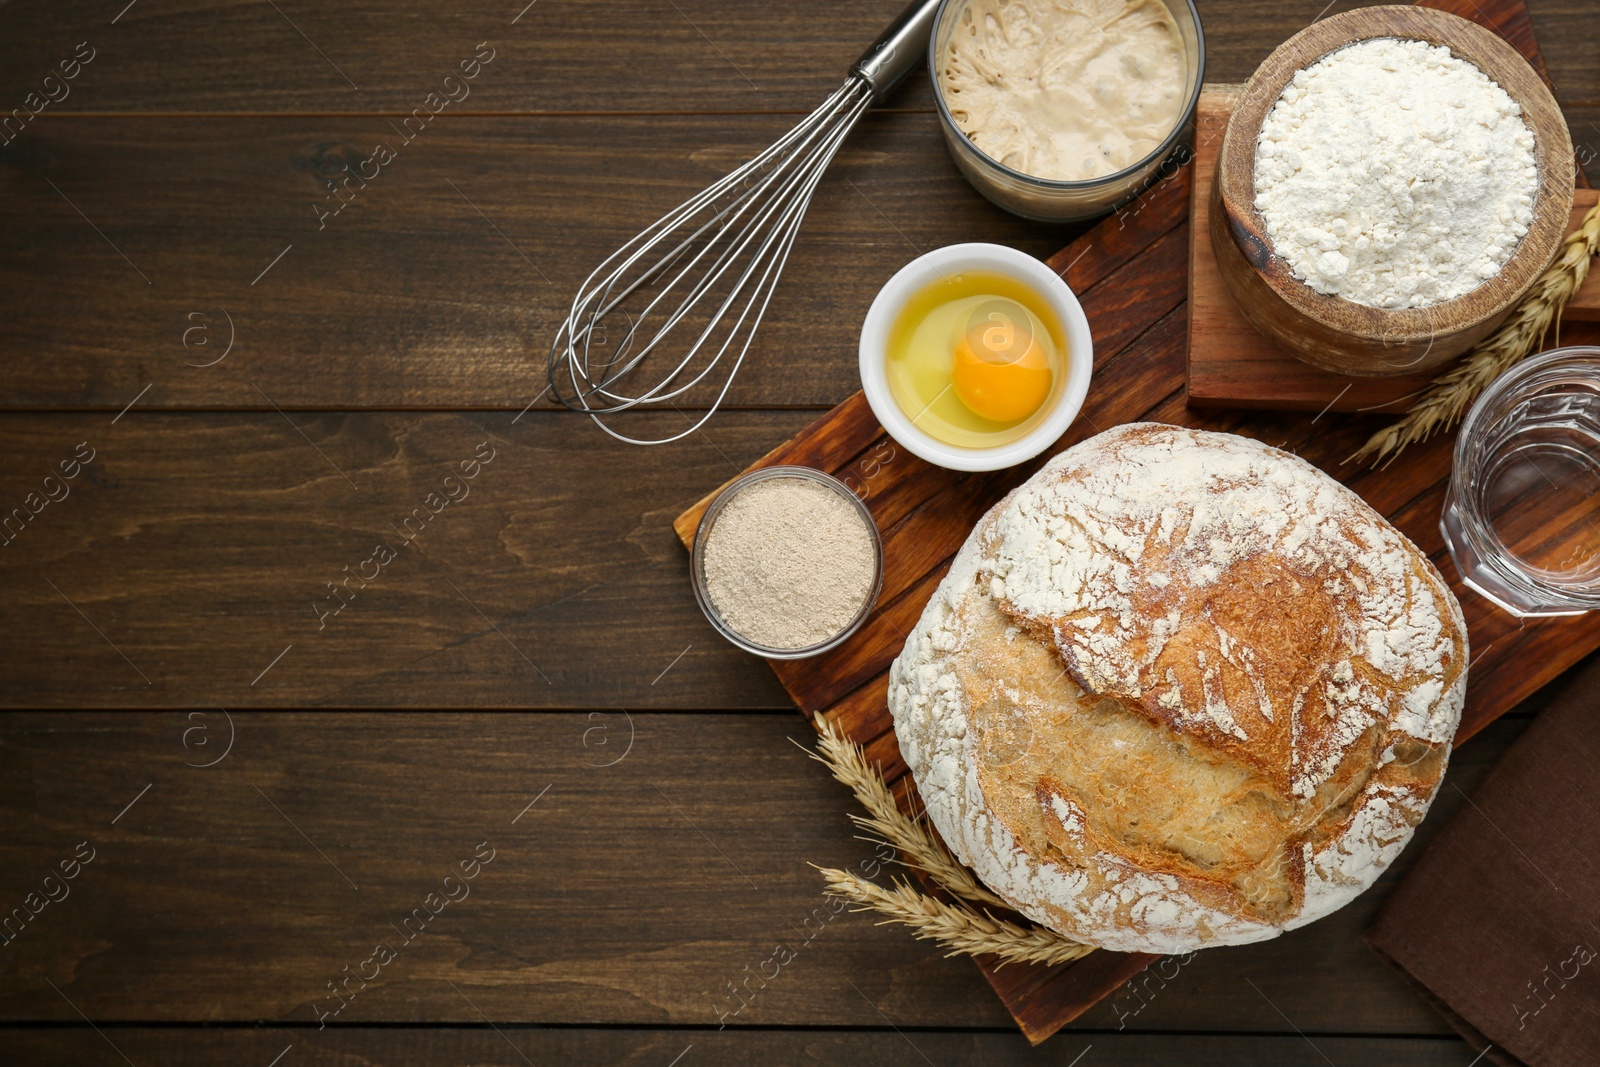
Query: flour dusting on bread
[1180, 689]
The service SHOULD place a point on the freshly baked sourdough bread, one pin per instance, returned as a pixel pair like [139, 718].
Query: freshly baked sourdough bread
[1180, 689]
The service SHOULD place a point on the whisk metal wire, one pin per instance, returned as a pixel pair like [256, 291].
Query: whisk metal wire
[755, 227]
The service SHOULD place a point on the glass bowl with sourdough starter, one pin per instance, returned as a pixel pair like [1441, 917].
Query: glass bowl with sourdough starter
[1054, 199]
[757, 585]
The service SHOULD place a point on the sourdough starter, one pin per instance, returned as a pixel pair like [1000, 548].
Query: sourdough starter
[1065, 89]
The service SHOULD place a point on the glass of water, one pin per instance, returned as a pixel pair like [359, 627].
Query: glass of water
[1522, 518]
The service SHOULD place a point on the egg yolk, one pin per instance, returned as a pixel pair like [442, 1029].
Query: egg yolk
[998, 384]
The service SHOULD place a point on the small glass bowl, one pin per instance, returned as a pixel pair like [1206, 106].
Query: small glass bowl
[1049, 200]
[702, 594]
[1522, 517]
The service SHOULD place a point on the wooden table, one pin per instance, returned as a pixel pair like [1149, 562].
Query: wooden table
[270, 788]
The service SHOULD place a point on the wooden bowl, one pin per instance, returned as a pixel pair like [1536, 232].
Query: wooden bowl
[1354, 339]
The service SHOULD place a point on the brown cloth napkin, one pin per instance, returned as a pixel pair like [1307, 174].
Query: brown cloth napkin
[1499, 921]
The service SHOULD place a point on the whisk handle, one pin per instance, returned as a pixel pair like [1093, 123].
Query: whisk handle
[898, 50]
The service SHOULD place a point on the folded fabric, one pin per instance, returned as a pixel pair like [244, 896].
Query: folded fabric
[1498, 924]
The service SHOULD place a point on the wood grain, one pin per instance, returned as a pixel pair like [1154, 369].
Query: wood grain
[197, 141]
[1231, 364]
[620, 897]
[410, 298]
[415, 1047]
[1235, 50]
[440, 283]
[202, 545]
[365, 56]
[707, 56]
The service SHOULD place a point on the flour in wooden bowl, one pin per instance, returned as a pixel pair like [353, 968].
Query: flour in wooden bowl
[1394, 174]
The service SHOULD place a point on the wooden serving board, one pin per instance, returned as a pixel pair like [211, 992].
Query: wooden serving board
[1232, 365]
[1131, 274]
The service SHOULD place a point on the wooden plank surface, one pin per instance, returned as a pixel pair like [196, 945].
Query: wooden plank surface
[652, 873]
[200, 546]
[366, 56]
[577, 56]
[439, 284]
[515, 1047]
[410, 298]
[196, 141]
[419, 295]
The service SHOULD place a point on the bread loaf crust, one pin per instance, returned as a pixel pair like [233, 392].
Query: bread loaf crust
[1180, 689]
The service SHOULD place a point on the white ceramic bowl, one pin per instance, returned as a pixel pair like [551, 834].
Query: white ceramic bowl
[952, 259]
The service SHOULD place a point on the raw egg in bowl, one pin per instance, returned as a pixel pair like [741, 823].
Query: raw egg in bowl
[975, 357]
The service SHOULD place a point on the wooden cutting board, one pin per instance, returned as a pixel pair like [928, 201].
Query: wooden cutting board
[1131, 274]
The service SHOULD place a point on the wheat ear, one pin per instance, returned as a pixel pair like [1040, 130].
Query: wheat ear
[847, 762]
[1448, 398]
[956, 927]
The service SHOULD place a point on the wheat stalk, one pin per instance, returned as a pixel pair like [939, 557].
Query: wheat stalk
[847, 762]
[957, 927]
[1448, 398]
